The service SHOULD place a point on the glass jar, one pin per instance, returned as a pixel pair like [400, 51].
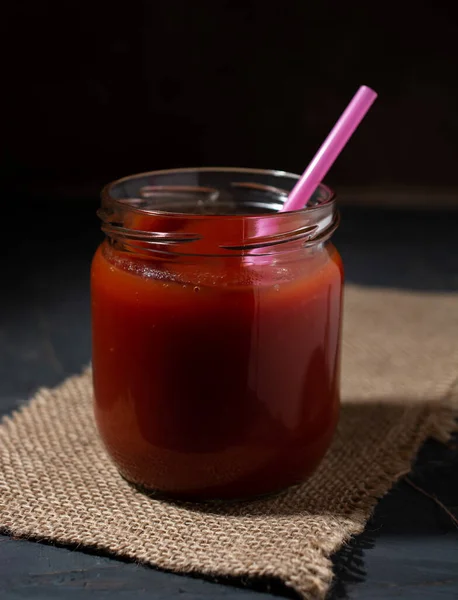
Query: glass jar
[216, 345]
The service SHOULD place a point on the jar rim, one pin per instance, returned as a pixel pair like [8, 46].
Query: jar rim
[107, 196]
[242, 232]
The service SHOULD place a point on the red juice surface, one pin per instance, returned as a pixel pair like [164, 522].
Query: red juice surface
[218, 379]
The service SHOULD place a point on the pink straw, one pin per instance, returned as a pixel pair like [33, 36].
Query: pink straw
[330, 149]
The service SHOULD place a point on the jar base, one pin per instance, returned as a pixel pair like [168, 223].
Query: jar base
[197, 499]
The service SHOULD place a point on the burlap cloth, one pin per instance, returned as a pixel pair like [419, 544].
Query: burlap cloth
[400, 363]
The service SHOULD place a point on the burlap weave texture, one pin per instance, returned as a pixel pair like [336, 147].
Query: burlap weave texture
[399, 367]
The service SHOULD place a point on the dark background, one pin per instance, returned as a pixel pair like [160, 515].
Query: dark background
[99, 90]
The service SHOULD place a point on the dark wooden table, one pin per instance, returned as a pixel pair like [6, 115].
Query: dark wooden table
[410, 547]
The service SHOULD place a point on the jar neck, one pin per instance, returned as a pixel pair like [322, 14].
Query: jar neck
[147, 232]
